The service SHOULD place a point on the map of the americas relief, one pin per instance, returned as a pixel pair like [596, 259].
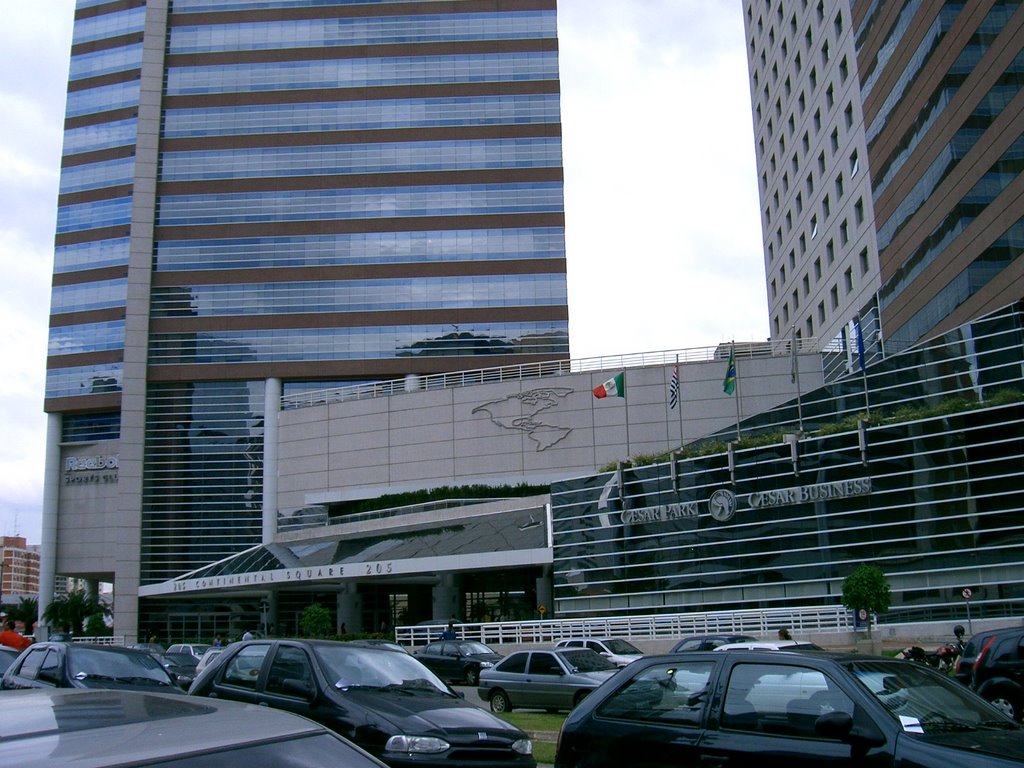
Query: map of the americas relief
[519, 412]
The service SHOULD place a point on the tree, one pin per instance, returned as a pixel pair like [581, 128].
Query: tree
[867, 588]
[315, 621]
[72, 609]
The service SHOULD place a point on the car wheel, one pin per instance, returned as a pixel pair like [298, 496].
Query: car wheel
[580, 696]
[1006, 703]
[500, 702]
[472, 676]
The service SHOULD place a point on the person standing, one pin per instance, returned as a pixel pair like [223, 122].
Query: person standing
[12, 638]
[784, 634]
[247, 635]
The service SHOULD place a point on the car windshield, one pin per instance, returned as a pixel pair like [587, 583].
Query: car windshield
[86, 663]
[618, 645]
[355, 667]
[924, 701]
[586, 660]
[470, 648]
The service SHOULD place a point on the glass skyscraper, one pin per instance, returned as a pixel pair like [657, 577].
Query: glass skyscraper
[261, 197]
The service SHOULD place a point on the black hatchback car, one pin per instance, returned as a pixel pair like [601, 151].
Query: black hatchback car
[785, 708]
[80, 665]
[992, 663]
[385, 702]
[458, 661]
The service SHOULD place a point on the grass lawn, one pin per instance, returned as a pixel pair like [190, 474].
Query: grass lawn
[533, 722]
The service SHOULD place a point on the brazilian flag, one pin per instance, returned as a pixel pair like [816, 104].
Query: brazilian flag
[729, 383]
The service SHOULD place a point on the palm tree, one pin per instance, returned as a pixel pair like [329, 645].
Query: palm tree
[72, 609]
[26, 611]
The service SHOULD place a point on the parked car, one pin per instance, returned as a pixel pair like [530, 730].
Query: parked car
[208, 657]
[992, 664]
[80, 665]
[785, 708]
[550, 680]
[389, 645]
[44, 728]
[180, 666]
[708, 642]
[618, 651]
[386, 702]
[458, 661]
[768, 645]
[7, 656]
[195, 650]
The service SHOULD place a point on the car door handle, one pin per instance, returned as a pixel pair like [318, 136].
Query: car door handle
[714, 760]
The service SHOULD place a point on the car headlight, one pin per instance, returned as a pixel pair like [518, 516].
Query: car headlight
[486, 664]
[523, 746]
[416, 744]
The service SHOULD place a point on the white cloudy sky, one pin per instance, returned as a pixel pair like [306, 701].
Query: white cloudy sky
[663, 235]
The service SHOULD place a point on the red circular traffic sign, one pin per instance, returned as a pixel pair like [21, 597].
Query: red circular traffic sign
[967, 593]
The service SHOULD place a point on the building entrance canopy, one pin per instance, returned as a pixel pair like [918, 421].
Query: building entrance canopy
[337, 553]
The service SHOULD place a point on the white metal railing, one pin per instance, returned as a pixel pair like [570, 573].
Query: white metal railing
[101, 640]
[522, 371]
[761, 622]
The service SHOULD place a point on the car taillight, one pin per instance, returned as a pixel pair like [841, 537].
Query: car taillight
[981, 654]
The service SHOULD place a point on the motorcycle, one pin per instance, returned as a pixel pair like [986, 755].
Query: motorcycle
[943, 658]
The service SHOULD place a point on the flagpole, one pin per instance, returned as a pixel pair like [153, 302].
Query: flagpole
[739, 394]
[796, 380]
[625, 404]
[863, 369]
[679, 403]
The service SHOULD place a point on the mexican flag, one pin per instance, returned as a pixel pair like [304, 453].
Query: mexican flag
[614, 387]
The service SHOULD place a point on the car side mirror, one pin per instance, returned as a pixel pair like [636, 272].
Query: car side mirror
[839, 726]
[50, 676]
[298, 688]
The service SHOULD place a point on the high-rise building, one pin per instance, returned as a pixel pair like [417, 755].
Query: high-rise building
[264, 197]
[19, 569]
[889, 150]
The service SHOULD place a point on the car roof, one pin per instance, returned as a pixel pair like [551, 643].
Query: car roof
[90, 728]
[768, 645]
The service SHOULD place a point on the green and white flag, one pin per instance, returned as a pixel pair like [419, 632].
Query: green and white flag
[614, 387]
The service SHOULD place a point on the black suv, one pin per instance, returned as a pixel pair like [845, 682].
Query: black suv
[993, 665]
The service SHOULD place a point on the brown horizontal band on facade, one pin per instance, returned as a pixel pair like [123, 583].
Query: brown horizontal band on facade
[80, 359]
[358, 272]
[90, 275]
[96, 403]
[364, 136]
[93, 195]
[367, 93]
[99, 118]
[335, 370]
[990, 224]
[339, 53]
[361, 181]
[316, 320]
[92, 235]
[411, 8]
[354, 226]
[112, 78]
[97, 156]
[102, 9]
[107, 43]
[87, 316]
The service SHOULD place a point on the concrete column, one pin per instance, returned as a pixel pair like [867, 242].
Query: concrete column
[545, 595]
[51, 516]
[445, 597]
[349, 609]
[271, 407]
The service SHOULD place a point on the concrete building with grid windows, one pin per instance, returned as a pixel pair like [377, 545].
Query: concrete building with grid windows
[888, 145]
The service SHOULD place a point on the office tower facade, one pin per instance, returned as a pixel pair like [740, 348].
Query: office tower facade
[897, 126]
[264, 197]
